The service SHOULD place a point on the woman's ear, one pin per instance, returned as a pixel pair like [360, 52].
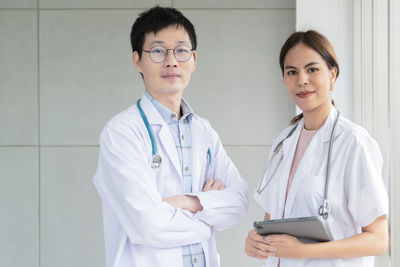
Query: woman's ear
[333, 74]
[333, 78]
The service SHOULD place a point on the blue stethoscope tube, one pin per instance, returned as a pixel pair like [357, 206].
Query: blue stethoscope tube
[156, 160]
[324, 208]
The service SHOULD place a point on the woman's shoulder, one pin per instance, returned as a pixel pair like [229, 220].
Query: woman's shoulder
[284, 133]
[354, 134]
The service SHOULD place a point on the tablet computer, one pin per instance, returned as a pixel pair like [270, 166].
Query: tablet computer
[306, 229]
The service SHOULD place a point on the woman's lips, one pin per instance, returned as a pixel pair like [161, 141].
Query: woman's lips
[304, 94]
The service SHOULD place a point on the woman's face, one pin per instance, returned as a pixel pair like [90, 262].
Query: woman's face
[308, 78]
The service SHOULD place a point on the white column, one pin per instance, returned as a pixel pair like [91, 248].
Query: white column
[394, 120]
[371, 80]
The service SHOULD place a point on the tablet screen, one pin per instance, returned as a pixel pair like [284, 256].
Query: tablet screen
[307, 229]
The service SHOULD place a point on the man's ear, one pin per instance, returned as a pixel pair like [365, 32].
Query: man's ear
[136, 61]
[194, 60]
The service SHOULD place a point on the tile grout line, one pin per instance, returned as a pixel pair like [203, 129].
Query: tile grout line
[116, 9]
[38, 141]
[97, 146]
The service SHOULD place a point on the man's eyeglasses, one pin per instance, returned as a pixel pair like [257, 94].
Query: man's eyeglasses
[158, 54]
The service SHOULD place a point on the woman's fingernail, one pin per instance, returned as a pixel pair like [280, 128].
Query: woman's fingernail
[273, 249]
[267, 239]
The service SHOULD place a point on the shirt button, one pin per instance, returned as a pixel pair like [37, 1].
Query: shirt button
[173, 115]
[195, 260]
[186, 168]
[182, 137]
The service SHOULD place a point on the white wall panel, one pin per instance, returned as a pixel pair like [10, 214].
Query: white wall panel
[87, 73]
[102, 3]
[334, 19]
[251, 162]
[71, 223]
[238, 84]
[18, 78]
[234, 4]
[19, 208]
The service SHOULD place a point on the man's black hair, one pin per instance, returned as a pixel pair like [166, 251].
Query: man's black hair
[155, 20]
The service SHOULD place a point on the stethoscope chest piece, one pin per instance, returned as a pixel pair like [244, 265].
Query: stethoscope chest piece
[156, 162]
[324, 210]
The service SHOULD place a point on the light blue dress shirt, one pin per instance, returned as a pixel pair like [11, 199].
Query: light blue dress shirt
[193, 255]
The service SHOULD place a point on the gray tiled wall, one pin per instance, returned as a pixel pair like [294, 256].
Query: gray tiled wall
[18, 77]
[71, 223]
[19, 206]
[67, 69]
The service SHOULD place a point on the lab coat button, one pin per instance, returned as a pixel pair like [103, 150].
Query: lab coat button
[186, 168]
[173, 115]
[195, 260]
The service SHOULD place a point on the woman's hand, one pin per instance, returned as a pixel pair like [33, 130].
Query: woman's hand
[287, 246]
[257, 247]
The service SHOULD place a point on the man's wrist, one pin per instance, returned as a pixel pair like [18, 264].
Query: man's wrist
[194, 204]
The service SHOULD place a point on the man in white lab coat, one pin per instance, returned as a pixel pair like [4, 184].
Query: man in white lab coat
[165, 214]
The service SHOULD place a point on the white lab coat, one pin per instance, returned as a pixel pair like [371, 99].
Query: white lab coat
[357, 195]
[140, 228]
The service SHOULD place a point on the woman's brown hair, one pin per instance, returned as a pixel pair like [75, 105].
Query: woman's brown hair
[317, 42]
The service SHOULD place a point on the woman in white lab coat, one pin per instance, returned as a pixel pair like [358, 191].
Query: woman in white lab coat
[294, 182]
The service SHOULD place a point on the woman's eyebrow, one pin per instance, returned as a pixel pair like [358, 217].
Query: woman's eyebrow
[311, 63]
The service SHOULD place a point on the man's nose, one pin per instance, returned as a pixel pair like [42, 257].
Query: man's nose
[170, 60]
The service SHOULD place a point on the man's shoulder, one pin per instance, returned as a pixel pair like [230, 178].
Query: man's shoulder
[126, 119]
[202, 121]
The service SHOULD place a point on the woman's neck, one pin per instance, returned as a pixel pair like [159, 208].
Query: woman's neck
[314, 119]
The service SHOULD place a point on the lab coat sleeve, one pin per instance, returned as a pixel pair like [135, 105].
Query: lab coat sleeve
[366, 193]
[223, 208]
[127, 183]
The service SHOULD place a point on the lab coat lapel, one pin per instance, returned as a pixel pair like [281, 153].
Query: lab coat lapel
[288, 148]
[312, 156]
[162, 135]
[201, 142]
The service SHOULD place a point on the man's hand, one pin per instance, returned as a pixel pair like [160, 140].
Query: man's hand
[212, 184]
[190, 203]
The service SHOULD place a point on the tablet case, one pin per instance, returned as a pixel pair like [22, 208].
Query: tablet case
[306, 229]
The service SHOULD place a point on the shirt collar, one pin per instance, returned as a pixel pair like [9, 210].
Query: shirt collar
[169, 116]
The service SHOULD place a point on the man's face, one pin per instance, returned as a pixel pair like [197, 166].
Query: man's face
[171, 76]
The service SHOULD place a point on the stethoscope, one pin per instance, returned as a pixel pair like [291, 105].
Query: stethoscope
[324, 208]
[156, 160]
